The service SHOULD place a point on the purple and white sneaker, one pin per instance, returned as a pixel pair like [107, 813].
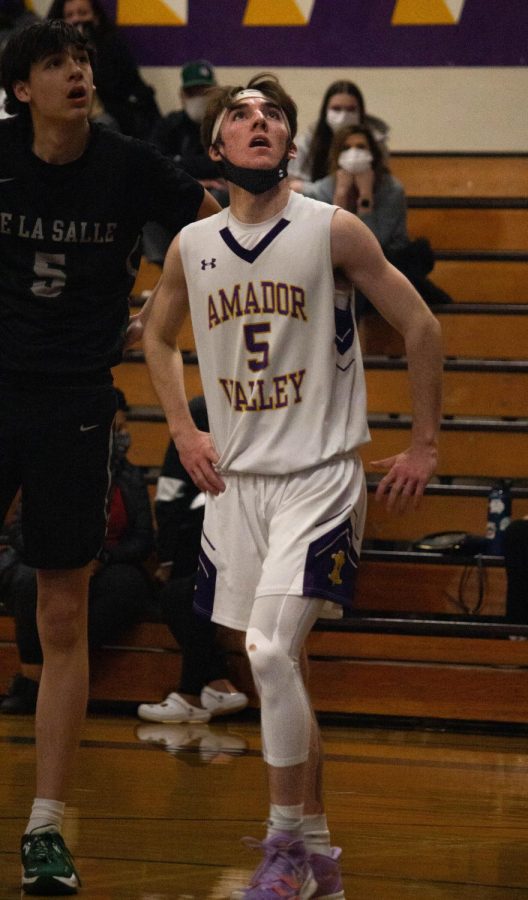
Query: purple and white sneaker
[284, 872]
[327, 873]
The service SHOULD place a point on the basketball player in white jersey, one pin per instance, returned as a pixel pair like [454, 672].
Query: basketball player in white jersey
[283, 381]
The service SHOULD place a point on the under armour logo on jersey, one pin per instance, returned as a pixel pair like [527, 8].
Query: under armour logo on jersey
[211, 263]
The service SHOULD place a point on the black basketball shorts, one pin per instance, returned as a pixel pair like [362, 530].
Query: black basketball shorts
[55, 446]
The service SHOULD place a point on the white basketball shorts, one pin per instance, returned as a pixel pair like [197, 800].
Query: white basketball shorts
[269, 535]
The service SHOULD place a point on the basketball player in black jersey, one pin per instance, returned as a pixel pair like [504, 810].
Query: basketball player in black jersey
[73, 200]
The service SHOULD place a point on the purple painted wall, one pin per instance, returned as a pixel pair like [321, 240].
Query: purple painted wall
[341, 33]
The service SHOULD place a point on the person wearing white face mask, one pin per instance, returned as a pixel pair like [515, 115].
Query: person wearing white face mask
[359, 180]
[340, 118]
[342, 106]
[178, 135]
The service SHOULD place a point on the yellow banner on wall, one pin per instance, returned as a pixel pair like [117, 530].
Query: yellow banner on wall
[278, 12]
[427, 12]
[155, 12]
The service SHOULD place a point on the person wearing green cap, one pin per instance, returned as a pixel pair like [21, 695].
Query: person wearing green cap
[178, 135]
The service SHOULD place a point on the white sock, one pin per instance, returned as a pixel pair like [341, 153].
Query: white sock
[46, 815]
[285, 818]
[316, 834]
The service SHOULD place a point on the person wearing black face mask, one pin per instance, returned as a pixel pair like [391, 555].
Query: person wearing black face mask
[120, 591]
[270, 285]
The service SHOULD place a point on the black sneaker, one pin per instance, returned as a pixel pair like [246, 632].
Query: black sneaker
[47, 865]
[21, 696]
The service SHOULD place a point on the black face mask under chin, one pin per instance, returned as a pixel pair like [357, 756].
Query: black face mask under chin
[256, 181]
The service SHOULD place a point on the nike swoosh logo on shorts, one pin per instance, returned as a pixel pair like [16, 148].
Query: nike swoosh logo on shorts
[3, 180]
[88, 427]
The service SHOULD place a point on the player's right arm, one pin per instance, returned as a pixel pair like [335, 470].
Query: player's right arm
[169, 307]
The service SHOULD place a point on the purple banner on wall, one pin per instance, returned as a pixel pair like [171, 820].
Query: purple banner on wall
[339, 33]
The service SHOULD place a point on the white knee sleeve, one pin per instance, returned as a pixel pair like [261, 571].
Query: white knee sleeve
[274, 640]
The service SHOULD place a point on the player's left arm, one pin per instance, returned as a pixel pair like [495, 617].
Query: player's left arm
[358, 255]
[136, 326]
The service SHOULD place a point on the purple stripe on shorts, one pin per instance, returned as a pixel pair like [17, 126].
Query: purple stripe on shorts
[204, 591]
[331, 566]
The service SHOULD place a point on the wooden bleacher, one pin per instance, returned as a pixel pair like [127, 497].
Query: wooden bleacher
[482, 262]
[483, 277]
[478, 331]
[462, 174]
[500, 226]
[428, 638]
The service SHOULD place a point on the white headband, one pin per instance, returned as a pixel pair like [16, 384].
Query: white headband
[246, 94]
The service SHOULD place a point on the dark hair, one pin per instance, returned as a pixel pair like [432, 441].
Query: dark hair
[31, 45]
[323, 134]
[223, 98]
[338, 145]
[56, 11]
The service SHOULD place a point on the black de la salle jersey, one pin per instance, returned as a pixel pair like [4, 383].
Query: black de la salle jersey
[70, 246]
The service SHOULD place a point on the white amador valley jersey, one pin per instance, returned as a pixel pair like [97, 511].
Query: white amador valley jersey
[278, 348]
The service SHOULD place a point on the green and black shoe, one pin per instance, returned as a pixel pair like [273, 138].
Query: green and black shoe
[47, 865]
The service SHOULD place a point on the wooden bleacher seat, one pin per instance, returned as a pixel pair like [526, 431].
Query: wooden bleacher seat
[451, 228]
[462, 174]
[444, 507]
[465, 202]
[467, 447]
[416, 585]
[469, 330]
[479, 277]
[486, 388]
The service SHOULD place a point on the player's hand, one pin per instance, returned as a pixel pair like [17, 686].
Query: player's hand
[199, 456]
[407, 476]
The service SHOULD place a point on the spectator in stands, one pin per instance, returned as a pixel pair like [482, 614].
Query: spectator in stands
[516, 562]
[13, 15]
[204, 689]
[120, 590]
[360, 180]
[178, 135]
[342, 105]
[123, 100]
